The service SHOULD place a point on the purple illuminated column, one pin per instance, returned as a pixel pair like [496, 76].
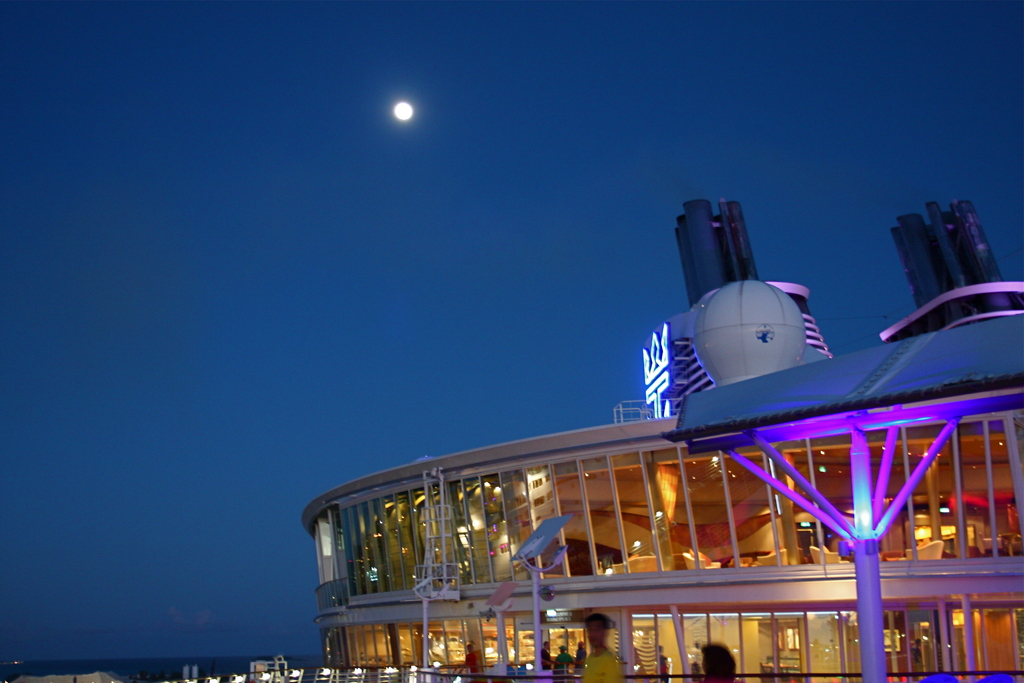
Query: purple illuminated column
[870, 616]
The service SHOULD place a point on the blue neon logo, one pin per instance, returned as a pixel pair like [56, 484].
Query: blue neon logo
[657, 362]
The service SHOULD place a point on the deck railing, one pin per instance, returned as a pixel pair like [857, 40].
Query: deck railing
[461, 675]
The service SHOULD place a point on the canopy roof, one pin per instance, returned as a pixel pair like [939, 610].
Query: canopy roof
[980, 357]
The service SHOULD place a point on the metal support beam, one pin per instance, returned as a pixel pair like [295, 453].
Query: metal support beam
[884, 470]
[792, 495]
[915, 478]
[801, 481]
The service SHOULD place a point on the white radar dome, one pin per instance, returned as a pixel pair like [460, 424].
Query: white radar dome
[747, 329]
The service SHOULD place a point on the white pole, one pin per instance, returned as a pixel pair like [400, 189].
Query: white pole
[502, 644]
[944, 634]
[678, 624]
[426, 635]
[535, 577]
[965, 603]
[870, 616]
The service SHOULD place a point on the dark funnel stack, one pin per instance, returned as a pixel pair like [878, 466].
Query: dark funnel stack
[946, 253]
[715, 250]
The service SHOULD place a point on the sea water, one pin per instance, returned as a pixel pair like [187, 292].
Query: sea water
[170, 666]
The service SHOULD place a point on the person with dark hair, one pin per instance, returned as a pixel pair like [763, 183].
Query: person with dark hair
[718, 664]
[601, 665]
[581, 657]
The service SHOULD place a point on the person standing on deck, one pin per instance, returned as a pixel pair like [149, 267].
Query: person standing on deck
[601, 666]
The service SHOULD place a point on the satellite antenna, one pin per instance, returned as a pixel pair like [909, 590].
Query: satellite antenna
[536, 544]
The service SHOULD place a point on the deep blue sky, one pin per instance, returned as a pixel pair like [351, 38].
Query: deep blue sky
[230, 280]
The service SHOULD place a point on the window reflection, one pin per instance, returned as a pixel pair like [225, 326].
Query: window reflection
[603, 522]
[570, 501]
[477, 530]
[635, 516]
[710, 518]
[671, 522]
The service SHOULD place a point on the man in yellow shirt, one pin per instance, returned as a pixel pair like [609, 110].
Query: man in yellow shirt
[601, 666]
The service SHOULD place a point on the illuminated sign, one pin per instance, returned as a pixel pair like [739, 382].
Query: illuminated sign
[657, 362]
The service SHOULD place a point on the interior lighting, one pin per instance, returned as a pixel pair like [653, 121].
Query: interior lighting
[265, 676]
[497, 489]
[659, 514]
[821, 468]
[944, 510]
[436, 664]
[529, 667]
[240, 679]
[323, 672]
[295, 673]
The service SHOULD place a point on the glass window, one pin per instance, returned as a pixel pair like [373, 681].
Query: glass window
[570, 502]
[934, 502]
[724, 630]
[456, 642]
[603, 522]
[851, 639]
[460, 531]
[353, 553]
[635, 516]
[753, 518]
[695, 636]
[542, 506]
[368, 565]
[790, 638]
[832, 478]
[406, 645]
[645, 645]
[710, 517]
[758, 655]
[394, 543]
[823, 640]
[417, 643]
[437, 645]
[418, 500]
[477, 530]
[974, 486]
[356, 648]
[325, 544]
[405, 537]
[525, 649]
[895, 637]
[798, 528]
[671, 523]
[1007, 540]
[896, 544]
[517, 514]
[923, 639]
[497, 533]
[379, 571]
[669, 660]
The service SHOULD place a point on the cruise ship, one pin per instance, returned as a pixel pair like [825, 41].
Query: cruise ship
[809, 511]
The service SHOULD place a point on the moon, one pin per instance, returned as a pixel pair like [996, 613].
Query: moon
[403, 111]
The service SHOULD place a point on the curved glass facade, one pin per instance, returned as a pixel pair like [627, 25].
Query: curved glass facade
[664, 510]
[658, 509]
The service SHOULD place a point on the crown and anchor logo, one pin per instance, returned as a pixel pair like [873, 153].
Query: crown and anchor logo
[656, 372]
